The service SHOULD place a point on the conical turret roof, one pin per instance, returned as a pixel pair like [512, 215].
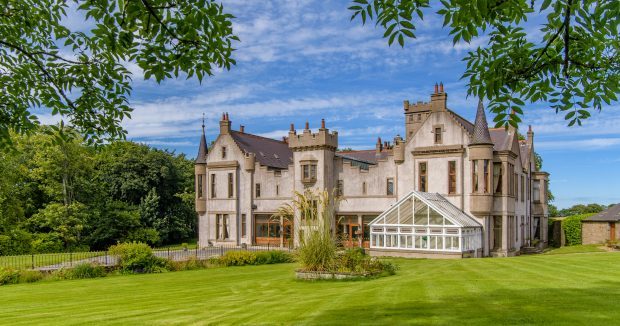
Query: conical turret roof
[201, 158]
[481, 127]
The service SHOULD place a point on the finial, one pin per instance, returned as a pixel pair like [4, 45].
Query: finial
[379, 140]
[203, 122]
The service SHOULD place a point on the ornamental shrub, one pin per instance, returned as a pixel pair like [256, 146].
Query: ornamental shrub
[572, 228]
[135, 257]
[241, 258]
[9, 276]
[85, 270]
[29, 276]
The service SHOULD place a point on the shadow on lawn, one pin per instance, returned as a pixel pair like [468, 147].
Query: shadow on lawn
[594, 306]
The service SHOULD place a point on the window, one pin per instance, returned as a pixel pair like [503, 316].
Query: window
[277, 190]
[474, 175]
[244, 227]
[339, 188]
[510, 175]
[230, 186]
[537, 191]
[452, 177]
[410, 117]
[222, 226]
[497, 178]
[390, 186]
[438, 135]
[308, 172]
[486, 186]
[199, 185]
[257, 190]
[522, 188]
[422, 186]
[223, 152]
[418, 117]
[527, 193]
[277, 173]
[363, 188]
[517, 183]
[213, 195]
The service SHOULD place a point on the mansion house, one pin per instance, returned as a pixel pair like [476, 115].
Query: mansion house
[448, 188]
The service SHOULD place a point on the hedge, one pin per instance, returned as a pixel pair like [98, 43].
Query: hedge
[571, 226]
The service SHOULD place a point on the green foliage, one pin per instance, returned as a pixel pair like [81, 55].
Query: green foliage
[137, 257]
[242, 258]
[59, 194]
[581, 209]
[85, 270]
[190, 264]
[572, 228]
[30, 276]
[81, 75]
[355, 260]
[8, 276]
[572, 62]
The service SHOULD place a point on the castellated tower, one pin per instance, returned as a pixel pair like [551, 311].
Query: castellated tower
[416, 114]
[313, 156]
[481, 157]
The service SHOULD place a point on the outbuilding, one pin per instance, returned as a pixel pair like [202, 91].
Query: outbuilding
[602, 227]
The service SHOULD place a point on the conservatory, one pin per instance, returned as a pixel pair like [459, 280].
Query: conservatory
[425, 225]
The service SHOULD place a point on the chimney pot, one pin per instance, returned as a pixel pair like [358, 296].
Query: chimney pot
[307, 125]
[223, 116]
[322, 123]
[292, 127]
[242, 129]
[436, 88]
[441, 87]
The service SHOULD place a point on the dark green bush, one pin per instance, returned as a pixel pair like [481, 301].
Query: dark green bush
[355, 260]
[572, 228]
[135, 257]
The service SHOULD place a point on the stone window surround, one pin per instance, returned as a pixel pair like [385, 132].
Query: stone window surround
[310, 163]
[441, 127]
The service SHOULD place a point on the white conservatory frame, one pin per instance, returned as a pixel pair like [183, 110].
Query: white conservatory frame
[438, 226]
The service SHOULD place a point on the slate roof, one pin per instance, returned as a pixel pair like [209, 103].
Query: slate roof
[501, 139]
[269, 152]
[611, 214]
[481, 127]
[366, 156]
[201, 158]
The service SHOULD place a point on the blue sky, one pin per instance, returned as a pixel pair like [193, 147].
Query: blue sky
[304, 60]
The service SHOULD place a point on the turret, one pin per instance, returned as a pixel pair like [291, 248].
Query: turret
[200, 171]
[481, 158]
[399, 150]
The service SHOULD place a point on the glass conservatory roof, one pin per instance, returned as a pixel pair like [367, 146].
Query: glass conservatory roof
[423, 208]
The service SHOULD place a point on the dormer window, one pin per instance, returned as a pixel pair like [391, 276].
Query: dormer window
[223, 152]
[308, 172]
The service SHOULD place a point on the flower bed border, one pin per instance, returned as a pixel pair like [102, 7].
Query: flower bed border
[327, 275]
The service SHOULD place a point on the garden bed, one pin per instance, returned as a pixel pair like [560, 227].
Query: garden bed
[325, 275]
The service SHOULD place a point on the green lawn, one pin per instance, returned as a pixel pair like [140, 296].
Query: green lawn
[575, 249]
[542, 289]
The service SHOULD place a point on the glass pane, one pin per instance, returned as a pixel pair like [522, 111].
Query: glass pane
[435, 218]
[447, 222]
[421, 213]
[392, 217]
[406, 212]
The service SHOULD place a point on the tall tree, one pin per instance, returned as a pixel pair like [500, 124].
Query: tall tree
[574, 64]
[82, 75]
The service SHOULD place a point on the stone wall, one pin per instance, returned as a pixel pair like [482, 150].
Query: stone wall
[594, 232]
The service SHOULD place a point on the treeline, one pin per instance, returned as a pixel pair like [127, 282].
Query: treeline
[58, 194]
[578, 209]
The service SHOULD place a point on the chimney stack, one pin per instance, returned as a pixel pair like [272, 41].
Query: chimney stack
[379, 146]
[307, 125]
[323, 124]
[242, 129]
[224, 125]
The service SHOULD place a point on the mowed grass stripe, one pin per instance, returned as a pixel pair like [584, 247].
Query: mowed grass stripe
[553, 289]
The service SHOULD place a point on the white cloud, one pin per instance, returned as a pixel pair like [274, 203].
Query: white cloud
[581, 144]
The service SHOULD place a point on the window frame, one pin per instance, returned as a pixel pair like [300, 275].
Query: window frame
[452, 177]
[423, 177]
[257, 190]
[212, 190]
[224, 152]
[231, 187]
[388, 191]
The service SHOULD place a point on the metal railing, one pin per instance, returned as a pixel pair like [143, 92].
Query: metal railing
[54, 261]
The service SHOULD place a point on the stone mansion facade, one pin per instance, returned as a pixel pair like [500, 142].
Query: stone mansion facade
[448, 188]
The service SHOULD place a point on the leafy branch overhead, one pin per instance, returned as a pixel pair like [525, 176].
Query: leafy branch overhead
[571, 60]
[83, 75]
